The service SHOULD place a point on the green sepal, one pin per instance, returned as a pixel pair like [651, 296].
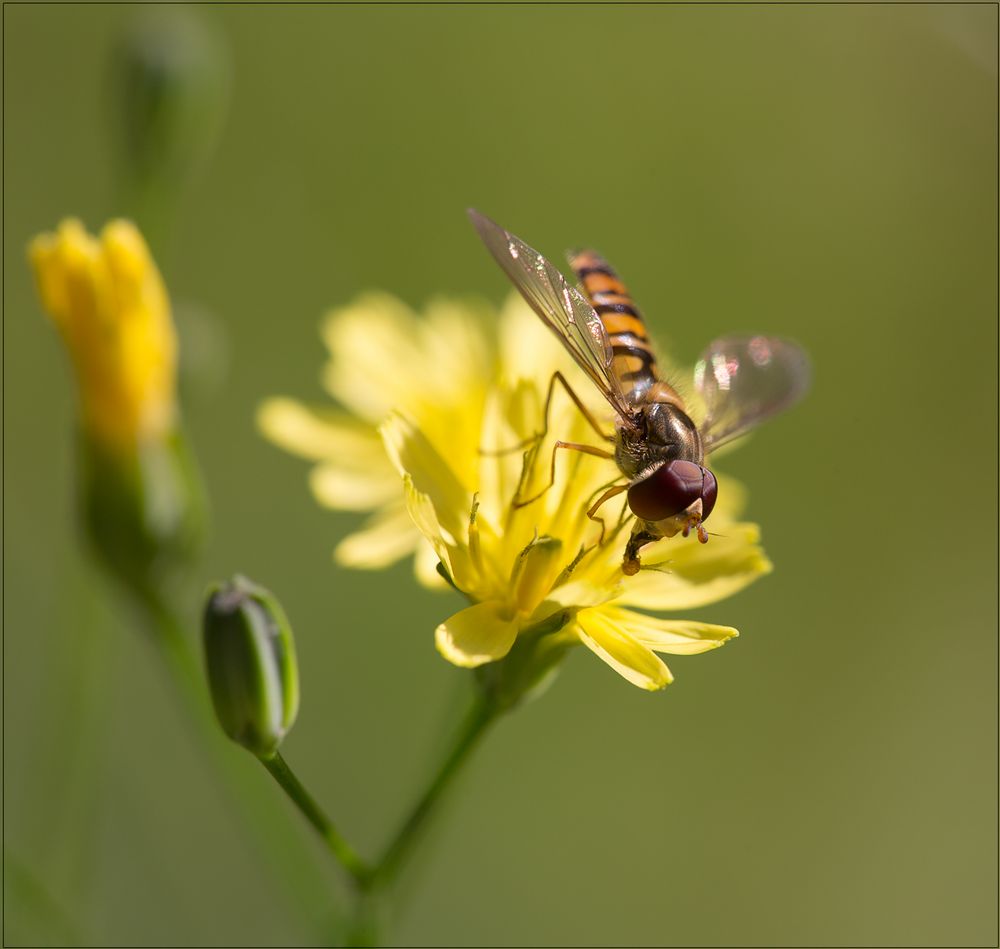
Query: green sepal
[530, 666]
[143, 510]
[251, 665]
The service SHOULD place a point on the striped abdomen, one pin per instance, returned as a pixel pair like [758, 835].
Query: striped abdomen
[634, 363]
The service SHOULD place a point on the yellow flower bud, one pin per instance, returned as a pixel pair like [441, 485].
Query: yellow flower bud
[108, 302]
[140, 494]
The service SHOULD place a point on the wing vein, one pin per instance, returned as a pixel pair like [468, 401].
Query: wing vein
[561, 307]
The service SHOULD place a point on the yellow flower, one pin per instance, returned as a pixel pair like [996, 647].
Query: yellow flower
[140, 494]
[536, 572]
[108, 301]
[435, 366]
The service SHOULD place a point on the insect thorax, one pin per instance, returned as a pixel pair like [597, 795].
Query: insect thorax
[663, 432]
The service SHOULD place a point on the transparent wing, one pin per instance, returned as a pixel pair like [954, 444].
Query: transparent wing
[561, 307]
[746, 379]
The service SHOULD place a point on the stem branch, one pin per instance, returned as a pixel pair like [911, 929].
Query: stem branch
[300, 877]
[386, 869]
[304, 801]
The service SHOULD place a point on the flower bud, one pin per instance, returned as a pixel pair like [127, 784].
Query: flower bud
[170, 83]
[144, 512]
[140, 493]
[252, 670]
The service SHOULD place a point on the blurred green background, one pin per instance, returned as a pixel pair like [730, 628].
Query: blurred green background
[823, 172]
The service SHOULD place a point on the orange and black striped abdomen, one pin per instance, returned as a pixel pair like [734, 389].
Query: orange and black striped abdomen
[634, 362]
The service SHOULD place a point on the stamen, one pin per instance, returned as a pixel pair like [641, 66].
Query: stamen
[531, 577]
[568, 570]
[475, 549]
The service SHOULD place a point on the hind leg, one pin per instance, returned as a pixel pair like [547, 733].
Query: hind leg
[538, 436]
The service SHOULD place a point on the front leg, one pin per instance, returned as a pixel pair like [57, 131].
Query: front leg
[611, 492]
[641, 535]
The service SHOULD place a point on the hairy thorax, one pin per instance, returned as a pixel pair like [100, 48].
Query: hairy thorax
[663, 432]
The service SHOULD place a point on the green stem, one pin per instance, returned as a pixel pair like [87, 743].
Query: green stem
[482, 713]
[370, 880]
[168, 632]
[29, 894]
[278, 769]
[77, 817]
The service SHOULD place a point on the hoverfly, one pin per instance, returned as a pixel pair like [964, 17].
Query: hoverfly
[741, 380]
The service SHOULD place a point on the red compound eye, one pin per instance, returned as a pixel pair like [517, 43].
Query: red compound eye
[709, 492]
[669, 490]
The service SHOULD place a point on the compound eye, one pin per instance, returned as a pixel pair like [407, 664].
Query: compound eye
[709, 492]
[669, 490]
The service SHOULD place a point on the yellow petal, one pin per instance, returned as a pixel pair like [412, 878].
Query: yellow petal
[62, 263]
[680, 637]
[698, 574]
[507, 420]
[389, 536]
[454, 339]
[478, 634]
[320, 434]
[344, 490]
[453, 555]
[376, 361]
[528, 350]
[535, 569]
[425, 563]
[421, 512]
[110, 305]
[581, 594]
[625, 655]
[414, 455]
[139, 288]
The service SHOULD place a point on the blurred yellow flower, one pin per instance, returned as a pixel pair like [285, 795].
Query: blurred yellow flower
[454, 402]
[109, 303]
[140, 494]
[436, 366]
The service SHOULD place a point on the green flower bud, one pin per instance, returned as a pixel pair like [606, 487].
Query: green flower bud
[143, 511]
[252, 670]
[170, 82]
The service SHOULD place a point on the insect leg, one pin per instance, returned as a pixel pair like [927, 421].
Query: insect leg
[604, 487]
[584, 411]
[631, 564]
[570, 446]
[538, 436]
[607, 496]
